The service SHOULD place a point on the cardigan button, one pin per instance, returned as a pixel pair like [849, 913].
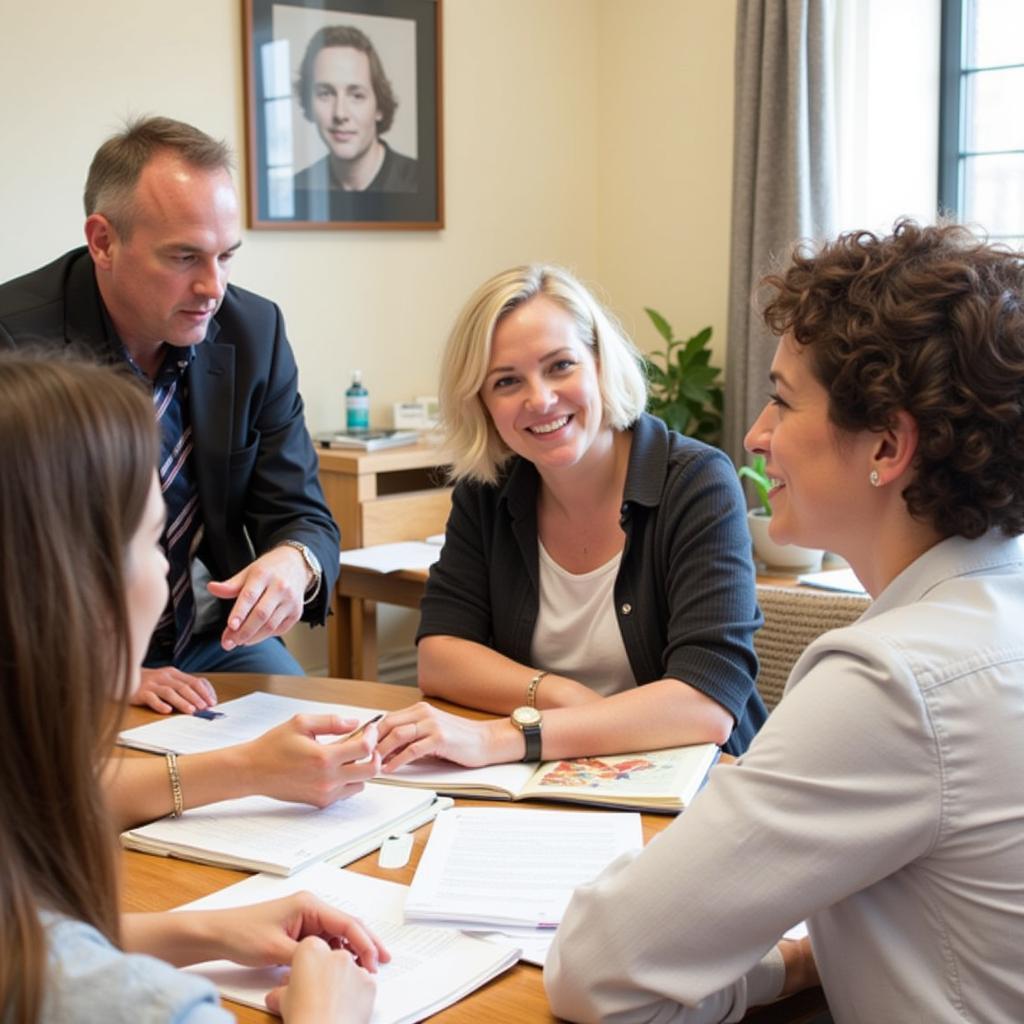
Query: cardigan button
[627, 608]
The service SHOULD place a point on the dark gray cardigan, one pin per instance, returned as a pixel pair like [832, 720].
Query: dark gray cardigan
[684, 595]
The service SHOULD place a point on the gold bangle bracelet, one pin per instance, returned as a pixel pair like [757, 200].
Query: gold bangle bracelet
[531, 690]
[172, 773]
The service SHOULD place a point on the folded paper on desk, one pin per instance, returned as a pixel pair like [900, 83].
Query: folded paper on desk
[257, 833]
[484, 868]
[406, 554]
[664, 781]
[430, 968]
[239, 721]
[842, 580]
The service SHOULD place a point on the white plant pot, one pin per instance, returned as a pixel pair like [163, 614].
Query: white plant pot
[788, 558]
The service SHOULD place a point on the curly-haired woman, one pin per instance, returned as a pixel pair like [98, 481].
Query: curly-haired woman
[882, 800]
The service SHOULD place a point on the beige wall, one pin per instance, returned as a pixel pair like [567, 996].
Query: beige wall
[665, 157]
[595, 133]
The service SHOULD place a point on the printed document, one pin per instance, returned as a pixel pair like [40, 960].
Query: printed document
[487, 869]
[431, 968]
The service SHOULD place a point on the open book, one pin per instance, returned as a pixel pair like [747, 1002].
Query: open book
[658, 780]
[430, 968]
[257, 833]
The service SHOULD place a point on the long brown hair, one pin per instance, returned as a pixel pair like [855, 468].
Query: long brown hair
[78, 446]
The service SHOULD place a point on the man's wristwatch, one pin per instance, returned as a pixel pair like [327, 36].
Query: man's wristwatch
[528, 720]
[312, 564]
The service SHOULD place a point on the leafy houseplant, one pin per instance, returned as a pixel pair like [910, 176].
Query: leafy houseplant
[685, 392]
[759, 478]
[784, 557]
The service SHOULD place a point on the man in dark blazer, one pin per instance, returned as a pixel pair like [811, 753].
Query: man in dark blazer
[149, 293]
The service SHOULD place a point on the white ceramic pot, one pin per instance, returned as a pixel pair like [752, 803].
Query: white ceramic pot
[787, 558]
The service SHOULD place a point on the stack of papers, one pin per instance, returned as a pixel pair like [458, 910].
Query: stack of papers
[431, 968]
[484, 869]
[406, 554]
[257, 833]
[365, 440]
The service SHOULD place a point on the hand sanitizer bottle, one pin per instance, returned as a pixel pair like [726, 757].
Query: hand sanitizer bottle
[357, 405]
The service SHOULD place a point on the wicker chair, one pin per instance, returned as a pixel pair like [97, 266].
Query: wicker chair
[793, 617]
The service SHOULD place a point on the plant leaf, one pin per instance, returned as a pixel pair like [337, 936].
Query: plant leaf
[661, 325]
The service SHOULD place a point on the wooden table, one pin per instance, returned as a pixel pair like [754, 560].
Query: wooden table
[378, 497]
[151, 883]
[354, 637]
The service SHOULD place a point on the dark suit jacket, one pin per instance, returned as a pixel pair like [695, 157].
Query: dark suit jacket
[254, 463]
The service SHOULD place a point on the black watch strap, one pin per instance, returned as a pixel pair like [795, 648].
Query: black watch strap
[531, 734]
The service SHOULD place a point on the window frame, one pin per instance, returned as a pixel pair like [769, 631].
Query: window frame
[950, 106]
[953, 72]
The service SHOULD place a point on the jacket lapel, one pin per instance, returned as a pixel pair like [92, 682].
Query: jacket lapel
[211, 400]
[84, 329]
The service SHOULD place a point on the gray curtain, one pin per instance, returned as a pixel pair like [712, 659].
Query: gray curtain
[783, 176]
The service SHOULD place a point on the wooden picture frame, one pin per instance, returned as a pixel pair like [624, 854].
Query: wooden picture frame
[344, 114]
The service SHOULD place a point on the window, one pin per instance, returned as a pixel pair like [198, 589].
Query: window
[981, 139]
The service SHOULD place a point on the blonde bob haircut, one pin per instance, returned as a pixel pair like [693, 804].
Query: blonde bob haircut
[474, 447]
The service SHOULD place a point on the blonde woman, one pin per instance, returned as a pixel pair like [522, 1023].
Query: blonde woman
[595, 588]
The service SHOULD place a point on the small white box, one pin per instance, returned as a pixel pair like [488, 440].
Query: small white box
[420, 414]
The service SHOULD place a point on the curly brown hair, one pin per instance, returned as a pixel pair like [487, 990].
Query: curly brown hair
[929, 320]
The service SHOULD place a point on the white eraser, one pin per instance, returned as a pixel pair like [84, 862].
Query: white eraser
[395, 851]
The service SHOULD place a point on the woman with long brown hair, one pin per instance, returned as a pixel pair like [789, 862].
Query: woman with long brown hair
[82, 582]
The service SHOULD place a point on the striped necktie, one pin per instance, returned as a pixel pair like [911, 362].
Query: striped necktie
[181, 536]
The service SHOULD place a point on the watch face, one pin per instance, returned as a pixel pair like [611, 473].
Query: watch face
[526, 716]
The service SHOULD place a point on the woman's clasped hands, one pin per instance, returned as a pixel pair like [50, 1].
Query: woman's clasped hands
[332, 955]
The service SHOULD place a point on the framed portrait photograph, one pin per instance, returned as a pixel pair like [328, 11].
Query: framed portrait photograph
[343, 114]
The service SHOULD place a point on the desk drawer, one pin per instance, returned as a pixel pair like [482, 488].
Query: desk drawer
[411, 515]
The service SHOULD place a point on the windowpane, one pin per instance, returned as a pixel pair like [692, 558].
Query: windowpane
[994, 33]
[993, 193]
[993, 118]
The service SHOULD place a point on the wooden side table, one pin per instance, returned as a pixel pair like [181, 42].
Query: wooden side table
[379, 497]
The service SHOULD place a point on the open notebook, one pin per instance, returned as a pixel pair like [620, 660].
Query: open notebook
[657, 780]
[235, 721]
[431, 968]
[257, 833]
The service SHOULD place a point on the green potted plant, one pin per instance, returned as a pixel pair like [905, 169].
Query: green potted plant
[786, 558]
[685, 391]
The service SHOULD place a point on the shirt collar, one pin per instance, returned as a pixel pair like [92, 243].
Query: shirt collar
[645, 477]
[174, 363]
[950, 558]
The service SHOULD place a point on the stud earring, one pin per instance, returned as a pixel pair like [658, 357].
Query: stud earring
[874, 478]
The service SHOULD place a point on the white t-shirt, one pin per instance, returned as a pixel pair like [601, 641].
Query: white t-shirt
[577, 634]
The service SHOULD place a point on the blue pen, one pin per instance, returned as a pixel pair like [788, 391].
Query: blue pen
[207, 714]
